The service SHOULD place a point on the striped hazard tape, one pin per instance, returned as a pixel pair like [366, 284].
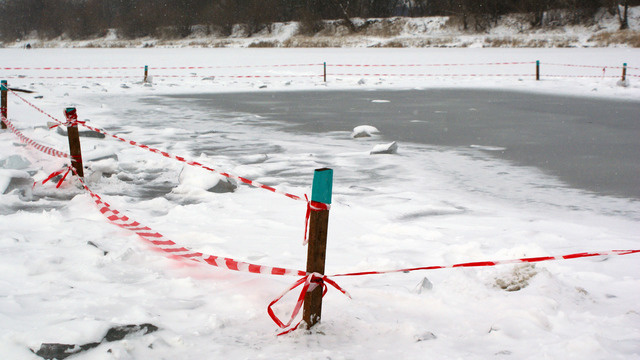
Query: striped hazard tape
[307, 280]
[43, 148]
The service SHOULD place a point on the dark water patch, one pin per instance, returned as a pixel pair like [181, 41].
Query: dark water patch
[591, 144]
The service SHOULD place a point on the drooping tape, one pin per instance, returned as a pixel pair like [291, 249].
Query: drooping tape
[43, 148]
[177, 251]
[307, 281]
[171, 248]
[311, 206]
[497, 262]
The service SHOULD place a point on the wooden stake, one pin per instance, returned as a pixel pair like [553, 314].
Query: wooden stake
[624, 72]
[325, 71]
[3, 101]
[146, 72]
[74, 140]
[317, 248]
[537, 70]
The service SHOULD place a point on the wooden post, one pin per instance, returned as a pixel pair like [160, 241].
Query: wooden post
[74, 140]
[317, 248]
[325, 71]
[537, 70]
[3, 101]
[624, 72]
[146, 72]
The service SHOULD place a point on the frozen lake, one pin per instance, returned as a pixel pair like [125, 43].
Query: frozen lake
[465, 186]
[590, 144]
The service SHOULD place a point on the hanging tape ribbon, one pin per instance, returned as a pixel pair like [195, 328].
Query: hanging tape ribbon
[312, 206]
[59, 172]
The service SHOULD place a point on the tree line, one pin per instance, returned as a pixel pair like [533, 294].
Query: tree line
[79, 19]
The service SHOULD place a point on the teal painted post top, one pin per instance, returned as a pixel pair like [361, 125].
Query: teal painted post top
[322, 186]
[625, 64]
[146, 67]
[538, 62]
[69, 109]
[3, 86]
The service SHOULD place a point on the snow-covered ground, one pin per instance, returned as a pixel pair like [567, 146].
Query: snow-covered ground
[67, 275]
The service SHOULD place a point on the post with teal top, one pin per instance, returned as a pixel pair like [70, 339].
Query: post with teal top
[325, 71]
[537, 70]
[3, 107]
[146, 72]
[624, 72]
[74, 140]
[317, 248]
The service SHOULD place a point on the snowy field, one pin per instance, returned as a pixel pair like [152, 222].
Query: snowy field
[67, 275]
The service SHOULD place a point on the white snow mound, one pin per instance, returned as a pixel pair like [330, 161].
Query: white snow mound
[364, 131]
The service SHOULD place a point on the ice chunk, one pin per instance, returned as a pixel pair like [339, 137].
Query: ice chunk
[14, 179]
[424, 285]
[15, 162]
[364, 131]
[488, 148]
[192, 177]
[390, 148]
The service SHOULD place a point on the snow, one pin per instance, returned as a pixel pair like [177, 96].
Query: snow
[364, 131]
[67, 275]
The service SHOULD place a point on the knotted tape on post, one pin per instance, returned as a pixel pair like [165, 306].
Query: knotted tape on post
[309, 283]
[72, 117]
[312, 206]
[71, 114]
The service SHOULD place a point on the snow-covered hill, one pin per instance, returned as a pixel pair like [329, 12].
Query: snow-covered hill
[509, 31]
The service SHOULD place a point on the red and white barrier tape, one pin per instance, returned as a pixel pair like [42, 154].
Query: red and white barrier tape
[45, 149]
[311, 205]
[73, 77]
[435, 75]
[57, 68]
[75, 68]
[498, 262]
[307, 281]
[583, 76]
[176, 251]
[588, 66]
[160, 76]
[238, 76]
[435, 65]
[171, 248]
[168, 155]
[229, 66]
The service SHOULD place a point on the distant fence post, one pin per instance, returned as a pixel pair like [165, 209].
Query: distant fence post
[146, 72]
[624, 72]
[537, 70]
[3, 106]
[317, 248]
[74, 140]
[325, 71]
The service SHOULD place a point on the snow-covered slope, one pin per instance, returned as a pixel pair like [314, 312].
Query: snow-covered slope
[509, 31]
